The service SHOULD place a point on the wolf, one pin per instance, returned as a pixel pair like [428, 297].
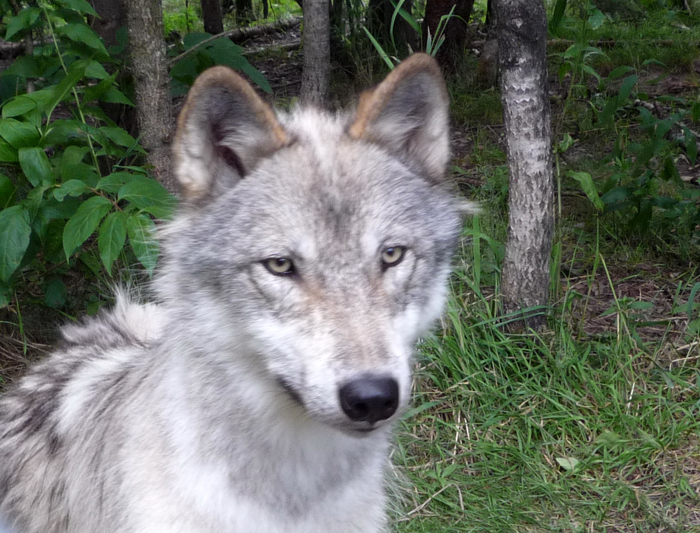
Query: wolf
[257, 392]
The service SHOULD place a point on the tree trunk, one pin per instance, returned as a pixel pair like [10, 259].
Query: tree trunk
[244, 12]
[212, 16]
[149, 65]
[315, 77]
[522, 43]
[379, 15]
[451, 53]
[112, 17]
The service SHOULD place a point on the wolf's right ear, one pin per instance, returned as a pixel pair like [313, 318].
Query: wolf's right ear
[223, 131]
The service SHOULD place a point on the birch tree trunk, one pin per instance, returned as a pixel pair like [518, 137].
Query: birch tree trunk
[315, 77]
[522, 46]
[149, 65]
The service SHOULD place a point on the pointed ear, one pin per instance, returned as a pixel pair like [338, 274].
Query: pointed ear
[223, 132]
[408, 114]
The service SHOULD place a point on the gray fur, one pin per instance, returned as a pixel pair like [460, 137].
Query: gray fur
[216, 410]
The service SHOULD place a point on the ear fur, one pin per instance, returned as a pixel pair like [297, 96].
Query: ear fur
[407, 113]
[223, 131]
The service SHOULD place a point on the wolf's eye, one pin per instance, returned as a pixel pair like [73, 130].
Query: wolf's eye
[279, 266]
[392, 256]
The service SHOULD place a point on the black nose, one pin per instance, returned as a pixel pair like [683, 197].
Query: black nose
[370, 399]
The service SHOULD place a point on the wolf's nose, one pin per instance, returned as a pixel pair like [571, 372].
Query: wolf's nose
[370, 399]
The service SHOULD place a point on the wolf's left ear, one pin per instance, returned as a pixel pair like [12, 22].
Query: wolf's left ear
[223, 131]
[408, 115]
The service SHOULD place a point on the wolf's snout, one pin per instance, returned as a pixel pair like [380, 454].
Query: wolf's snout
[370, 399]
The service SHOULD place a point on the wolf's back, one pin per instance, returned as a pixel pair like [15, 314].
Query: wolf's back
[62, 424]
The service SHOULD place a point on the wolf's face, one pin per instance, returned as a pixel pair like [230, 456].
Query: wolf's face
[322, 242]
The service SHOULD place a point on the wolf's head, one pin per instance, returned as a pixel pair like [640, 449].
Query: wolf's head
[314, 249]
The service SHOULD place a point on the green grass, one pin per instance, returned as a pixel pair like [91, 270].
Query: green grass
[549, 432]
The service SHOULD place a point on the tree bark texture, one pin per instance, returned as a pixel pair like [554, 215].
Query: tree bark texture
[522, 44]
[112, 17]
[244, 12]
[451, 53]
[315, 77]
[149, 65]
[212, 16]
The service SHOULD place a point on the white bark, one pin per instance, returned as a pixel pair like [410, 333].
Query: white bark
[522, 40]
[315, 78]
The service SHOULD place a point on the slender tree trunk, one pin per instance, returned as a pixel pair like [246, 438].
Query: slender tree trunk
[149, 65]
[315, 77]
[212, 16]
[244, 12]
[379, 15]
[112, 16]
[522, 43]
[451, 53]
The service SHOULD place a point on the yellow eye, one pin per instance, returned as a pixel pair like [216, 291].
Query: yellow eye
[392, 256]
[279, 266]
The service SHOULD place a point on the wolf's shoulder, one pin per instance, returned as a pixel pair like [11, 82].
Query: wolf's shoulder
[95, 359]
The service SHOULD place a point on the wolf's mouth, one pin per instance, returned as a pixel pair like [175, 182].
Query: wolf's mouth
[289, 389]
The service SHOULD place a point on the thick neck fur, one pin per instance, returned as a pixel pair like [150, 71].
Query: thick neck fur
[258, 443]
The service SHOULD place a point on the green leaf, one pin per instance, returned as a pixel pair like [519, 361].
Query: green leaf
[18, 134]
[82, 33]
[94, 69]
[70, 188]
[73, 155]
[7, 191]
[18, 106]
[25, 19]
[141, 231]
[691, 146]
[589, 70]
[608, 114]
[81, 6]
[380, 50]
[14, 239]
[7, 153]
[84, 222]
[616, 198]
[115, 181]
[5, 295]
[115, 96]
[695, 112]
[119, 136]
[112, 238]
[627, 87]
[194, 38]
[568, 463]
[620, 71]
[28, 67]
[224, 52]
[75, 73]
[106, 92]
[150, 196]
[55, 294]
[597, 19]
[35, 165]
[586, 181]
[559, 10]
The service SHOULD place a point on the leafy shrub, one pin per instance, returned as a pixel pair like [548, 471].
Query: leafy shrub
[66, 180]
